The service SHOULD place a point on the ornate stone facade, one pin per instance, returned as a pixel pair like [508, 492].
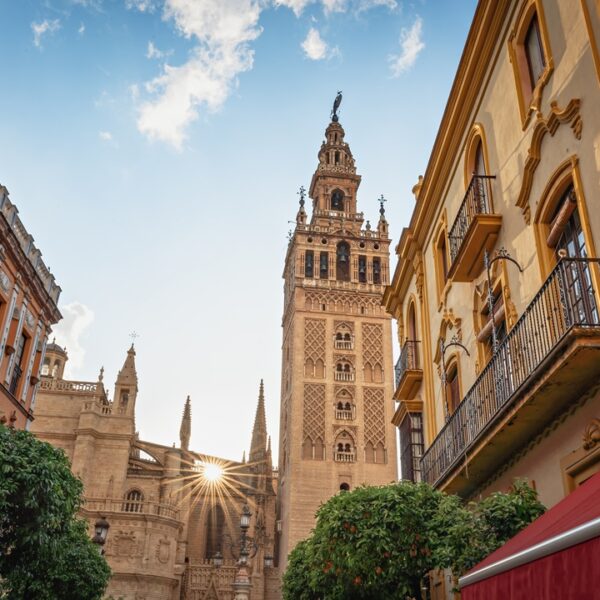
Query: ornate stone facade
[28, 308]
[167, 522]
[337, 382]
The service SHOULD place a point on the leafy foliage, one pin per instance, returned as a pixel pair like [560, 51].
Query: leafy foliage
[45, 551]
[379, 542]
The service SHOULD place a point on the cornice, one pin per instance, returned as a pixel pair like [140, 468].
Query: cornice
[481, 42]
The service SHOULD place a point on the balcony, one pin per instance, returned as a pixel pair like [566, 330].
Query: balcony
[408, 373]
[474, 230]
[343, 344]
[125, 507]
[14, 381]
[341, 414]
[344, 457]
[344, 376]
[548, 360]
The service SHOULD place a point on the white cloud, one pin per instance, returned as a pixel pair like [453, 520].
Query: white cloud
[105, 136]
[296, 5]
[363, 5]
[331, 6]
[40, 29]
[154, 52]
[314, 47]
[141, 5]
[81, 29]
[223, 31]
[411, 45]
[77, 317]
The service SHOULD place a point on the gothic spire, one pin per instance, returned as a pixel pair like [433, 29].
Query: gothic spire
[186, 425]
[259, 432]
[128, 374]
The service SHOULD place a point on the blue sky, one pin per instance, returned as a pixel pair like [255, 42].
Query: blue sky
[154, 149]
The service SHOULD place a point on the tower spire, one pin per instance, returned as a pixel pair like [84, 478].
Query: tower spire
[126, 386]
[259, 432]
[186, 425]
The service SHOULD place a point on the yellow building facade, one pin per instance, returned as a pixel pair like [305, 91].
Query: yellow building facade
[337, 370]
[496, 292]
[172, 512]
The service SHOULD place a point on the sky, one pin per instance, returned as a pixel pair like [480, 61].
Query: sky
[154, 149]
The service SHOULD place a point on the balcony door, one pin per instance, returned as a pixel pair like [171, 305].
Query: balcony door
[571, 244]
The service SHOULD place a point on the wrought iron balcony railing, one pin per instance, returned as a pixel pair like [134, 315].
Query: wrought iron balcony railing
[408, 361]
[476, 202]
[567, 301]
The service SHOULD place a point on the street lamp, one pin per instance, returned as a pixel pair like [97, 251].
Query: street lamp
[100, 533]
[268, 561]
[241, 584]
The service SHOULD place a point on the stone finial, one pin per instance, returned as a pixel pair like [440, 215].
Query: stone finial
[417, 187]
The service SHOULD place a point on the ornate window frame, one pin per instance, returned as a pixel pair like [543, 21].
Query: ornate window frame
[566, 174]
[443, 282]
[529, 98]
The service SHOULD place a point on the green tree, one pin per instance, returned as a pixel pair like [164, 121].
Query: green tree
[45, 550]
[380, 542]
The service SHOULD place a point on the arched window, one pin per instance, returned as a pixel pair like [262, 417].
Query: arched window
[307, 449]
[531, 57]
[337, 200]
[134, 500]
[343, 262]
[344, 448]
[344, 487]
[215, 530]
[452, 386]
[46, 367]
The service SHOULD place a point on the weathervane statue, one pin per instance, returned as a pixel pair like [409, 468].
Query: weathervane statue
[336, 105]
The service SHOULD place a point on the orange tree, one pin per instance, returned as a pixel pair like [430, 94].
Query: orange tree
[380, 542]
[45, 550]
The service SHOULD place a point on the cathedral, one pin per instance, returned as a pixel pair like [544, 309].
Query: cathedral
[173, 513]
[336, 427]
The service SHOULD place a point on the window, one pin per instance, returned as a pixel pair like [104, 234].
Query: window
[17, 370]
[479, 165]
[530, 56]
[377, 270]
[452, 387]
[343, 262]
[324, 266]
[133, 501]
[362, 269]
[534, 51]
[344, 448]
[485, 336]
[441, 262]
[215, 531]
[337, 200]
[309, 263]
[412, 446]
[344, 487]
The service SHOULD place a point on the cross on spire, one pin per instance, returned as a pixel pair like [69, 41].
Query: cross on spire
[302, 193]
[381, 200]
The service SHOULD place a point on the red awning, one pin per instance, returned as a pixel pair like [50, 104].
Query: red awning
[556, 557]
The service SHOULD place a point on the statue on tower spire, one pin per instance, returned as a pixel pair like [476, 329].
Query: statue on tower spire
[336, 106]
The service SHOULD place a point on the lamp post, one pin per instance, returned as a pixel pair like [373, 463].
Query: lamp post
[218, 560]
[241, 584]
[100, 533]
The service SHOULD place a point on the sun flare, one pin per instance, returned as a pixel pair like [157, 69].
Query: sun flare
[212, 472]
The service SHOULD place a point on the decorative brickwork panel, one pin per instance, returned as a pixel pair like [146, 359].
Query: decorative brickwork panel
[314, 412]
[372, 334]
[374, 409]
[314, 340]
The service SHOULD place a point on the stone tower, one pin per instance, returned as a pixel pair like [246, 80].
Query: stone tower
[337, 374]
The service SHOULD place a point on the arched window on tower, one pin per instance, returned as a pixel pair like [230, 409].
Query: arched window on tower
[337, 200]
[343, 262]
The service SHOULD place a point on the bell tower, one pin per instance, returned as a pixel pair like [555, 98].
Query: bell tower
[337, 374]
